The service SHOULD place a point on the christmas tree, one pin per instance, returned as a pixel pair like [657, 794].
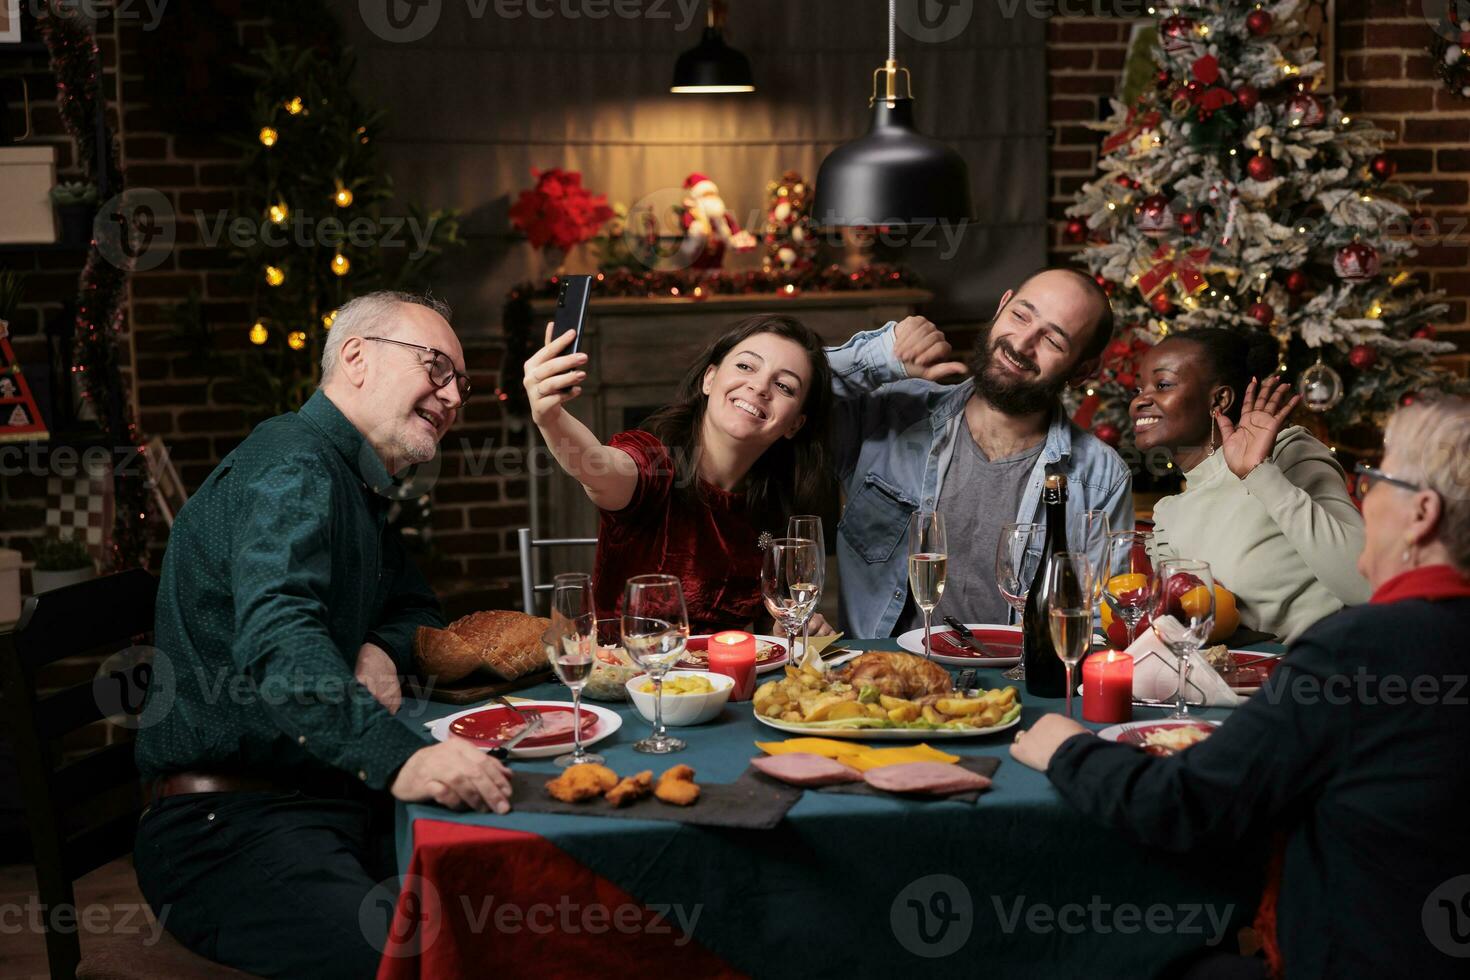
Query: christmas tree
[1235, 194]
[314, 202]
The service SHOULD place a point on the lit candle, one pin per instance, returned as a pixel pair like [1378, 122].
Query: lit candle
[1107, 687]
[732, 653]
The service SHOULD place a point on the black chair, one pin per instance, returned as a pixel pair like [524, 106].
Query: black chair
[83, 809]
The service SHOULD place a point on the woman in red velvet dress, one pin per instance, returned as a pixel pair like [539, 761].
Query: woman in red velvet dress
[741, 448]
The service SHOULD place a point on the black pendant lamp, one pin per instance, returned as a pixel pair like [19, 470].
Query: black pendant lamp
[712, 67]
[893, 175]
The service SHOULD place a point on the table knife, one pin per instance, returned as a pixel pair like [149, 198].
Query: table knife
[964, 637]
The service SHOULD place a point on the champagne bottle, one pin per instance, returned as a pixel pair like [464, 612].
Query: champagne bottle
[1046, 675]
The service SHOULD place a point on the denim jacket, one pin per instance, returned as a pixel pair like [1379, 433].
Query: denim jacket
[894, 438]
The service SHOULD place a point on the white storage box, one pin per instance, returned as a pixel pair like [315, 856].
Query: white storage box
[27, 174]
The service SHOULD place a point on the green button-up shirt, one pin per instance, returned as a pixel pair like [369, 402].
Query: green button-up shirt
[277, 571]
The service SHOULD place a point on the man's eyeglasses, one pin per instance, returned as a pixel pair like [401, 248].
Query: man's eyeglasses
[441, 367]
[1364, 476]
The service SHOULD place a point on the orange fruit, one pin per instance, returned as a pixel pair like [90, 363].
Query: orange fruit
[1227, 617]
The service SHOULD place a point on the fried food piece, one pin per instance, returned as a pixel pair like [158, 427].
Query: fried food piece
[582, 783]
[677, 786]
[631, 788]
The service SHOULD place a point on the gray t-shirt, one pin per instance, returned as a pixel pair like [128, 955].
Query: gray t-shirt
[978, 498]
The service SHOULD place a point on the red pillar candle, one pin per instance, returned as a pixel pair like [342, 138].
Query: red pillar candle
[1107, 687]
[732, 653]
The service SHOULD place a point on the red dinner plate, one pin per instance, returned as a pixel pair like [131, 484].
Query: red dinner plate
[999, 644]
[696, 656]
[492, 726]
[1251, 671]
[1137, 734]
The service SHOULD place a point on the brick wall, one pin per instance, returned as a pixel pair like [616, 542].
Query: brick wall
[1383, 73]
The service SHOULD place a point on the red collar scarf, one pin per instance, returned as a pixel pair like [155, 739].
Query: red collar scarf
[1430, 582]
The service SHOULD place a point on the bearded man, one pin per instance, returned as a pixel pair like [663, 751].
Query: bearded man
[977, 452]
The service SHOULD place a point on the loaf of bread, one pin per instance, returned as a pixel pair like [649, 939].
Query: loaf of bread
[506, 645]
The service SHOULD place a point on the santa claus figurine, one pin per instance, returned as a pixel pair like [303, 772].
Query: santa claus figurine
[708, 228]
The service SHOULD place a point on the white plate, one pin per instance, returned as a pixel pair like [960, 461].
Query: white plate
[760, 668]
[607, 723]
[913, 642]
[884, 734]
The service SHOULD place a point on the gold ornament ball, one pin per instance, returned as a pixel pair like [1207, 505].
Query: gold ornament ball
[274, 275]
[269, 136]
[295, 106]
[296, 339]
[279, 213]
[340, 265]
[258, 334]
[343, 197]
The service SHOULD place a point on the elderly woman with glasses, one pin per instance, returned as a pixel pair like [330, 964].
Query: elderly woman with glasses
[1353, 751]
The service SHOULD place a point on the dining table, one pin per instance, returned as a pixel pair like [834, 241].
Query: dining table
[1016, 882]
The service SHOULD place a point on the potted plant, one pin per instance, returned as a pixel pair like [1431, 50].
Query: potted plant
[60, 561]
[76, 207]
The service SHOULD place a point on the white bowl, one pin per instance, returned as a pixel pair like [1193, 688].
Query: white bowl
[681, 710]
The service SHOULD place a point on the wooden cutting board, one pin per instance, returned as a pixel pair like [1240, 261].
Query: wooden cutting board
[481, 687]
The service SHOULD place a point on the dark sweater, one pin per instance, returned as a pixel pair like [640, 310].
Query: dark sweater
[1358, 749]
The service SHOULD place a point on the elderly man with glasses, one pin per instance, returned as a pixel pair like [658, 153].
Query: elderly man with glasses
[286, 614]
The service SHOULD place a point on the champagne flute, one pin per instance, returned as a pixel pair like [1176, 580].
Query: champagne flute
[1017, 555]
[1182, 614]
[1128, 579]
[573, 637]
[1069, 605]
[1091, 538]
[792, 572]
[928, 561]
[808, 526]
[655, 632]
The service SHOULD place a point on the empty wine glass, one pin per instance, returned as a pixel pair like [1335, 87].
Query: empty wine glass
[655, 632]
[1128, 578]
[572, 650]
[1091, 538]
[791, 583]
[928, 561]
[1017, 556]
[808, 526]
[1069, 607]
[1182, 613]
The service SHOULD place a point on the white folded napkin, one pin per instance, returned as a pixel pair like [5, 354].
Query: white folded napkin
[1156, 675]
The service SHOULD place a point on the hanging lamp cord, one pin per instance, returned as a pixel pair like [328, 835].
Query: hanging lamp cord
[892, 30]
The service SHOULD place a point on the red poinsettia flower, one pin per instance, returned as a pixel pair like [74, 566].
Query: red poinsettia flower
[559, 211]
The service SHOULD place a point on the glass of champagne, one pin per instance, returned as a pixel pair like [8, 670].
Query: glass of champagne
[928, 561]
[655, 633]
[1128, 578]
[1017, 555]
[1069, 606]
[808, 526]
[1182, 613]
[791, 583]
[571, 651]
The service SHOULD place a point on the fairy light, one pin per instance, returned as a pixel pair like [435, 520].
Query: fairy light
[274, 275]
[1346, 119]
[296, 340]
[1366, 197]
[1112, 206]
[279, 213]
[328, 319]
[295, 106]
[341, 265]
[269, 136]
[1091, 392]
[1232, 151]
[343, 197]
[259, 334]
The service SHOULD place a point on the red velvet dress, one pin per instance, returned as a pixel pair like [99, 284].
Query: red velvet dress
[711, 544]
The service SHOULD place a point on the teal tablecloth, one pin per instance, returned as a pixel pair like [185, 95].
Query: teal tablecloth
[1017, 881]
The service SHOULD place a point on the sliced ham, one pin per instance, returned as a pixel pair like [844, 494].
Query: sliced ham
[933, 778]
[805, 769]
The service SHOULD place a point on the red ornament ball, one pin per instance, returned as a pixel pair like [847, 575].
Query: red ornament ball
[1426, 332]
[1296, 282]
[1304, 109]
[1362, 357]
[1261, 167]
[1108, 433]
[1161, 304]
[1258, 22]
[1177, 34]
[1153, 216]
[1248, 96]
[1162, 78]
[1188, 222]
[1409, 398]
[1357, 262]
[1262, 313]
[1076, 230]
[1382, 166]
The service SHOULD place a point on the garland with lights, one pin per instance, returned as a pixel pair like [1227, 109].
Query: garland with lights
[1233, 194]
[313, 199]
[692, 285]
[77, 63]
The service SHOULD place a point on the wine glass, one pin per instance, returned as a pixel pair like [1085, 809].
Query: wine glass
[808, 526]
[655, 632]
[1128, 578]
[571, 650]
[928, 559]
[1091, 538]
[1069, 606]
[1017, 556]
[1182, 613]
[791, 582]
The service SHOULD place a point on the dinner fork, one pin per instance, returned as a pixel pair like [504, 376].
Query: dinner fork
[531, 720]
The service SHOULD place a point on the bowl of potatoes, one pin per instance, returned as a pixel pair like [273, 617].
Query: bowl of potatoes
[691, 697]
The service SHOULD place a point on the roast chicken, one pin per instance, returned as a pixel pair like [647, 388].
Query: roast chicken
[898, 675]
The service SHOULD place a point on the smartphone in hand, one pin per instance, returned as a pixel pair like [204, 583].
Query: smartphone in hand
[571, 309]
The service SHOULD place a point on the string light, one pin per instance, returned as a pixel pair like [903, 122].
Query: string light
[258, 334]
[340, 265]
[295, 106]
[1112, 206]
[1091, 392]
[269, 136]
[1346, 120]
[279, 213]
[296, 340]
[343, 197]
[329, 319]
[274, 275]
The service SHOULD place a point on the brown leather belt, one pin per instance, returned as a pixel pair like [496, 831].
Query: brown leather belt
[331, 785]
